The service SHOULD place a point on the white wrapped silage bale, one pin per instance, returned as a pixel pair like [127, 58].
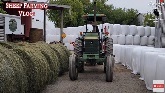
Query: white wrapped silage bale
[129, 40]
[143, 57]
[141, 30]
[136, 59]
[133, 30]
[150, 68]
[128, 56]
[160, 75]
[151, 40]
[125, 29]
[115, 37]
[152, 31]
[144, 41]
[121, 39]
[147, 31]
[163, 41]
[136, 40]
[117, 52]
[116, 29]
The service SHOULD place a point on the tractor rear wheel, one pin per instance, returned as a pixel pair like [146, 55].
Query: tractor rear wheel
[109, 69]
[73, 73]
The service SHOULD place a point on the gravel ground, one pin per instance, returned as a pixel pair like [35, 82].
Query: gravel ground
[93, 81]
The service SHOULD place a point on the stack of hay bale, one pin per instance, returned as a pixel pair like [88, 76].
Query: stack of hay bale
[28, 68]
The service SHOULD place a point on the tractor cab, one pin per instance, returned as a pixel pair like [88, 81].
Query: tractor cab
[89, 19]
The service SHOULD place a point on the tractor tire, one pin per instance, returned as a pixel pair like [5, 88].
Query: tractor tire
[81, 68]
[109, 46]
[78, 47]
[73, 73]
[109, 69]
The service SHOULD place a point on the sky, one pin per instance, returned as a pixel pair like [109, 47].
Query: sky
[141, 5]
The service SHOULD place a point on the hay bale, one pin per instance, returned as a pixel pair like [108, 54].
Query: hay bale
[8, 45]
[51, 57]
[13, 77]
[63, 56]
[37, 67]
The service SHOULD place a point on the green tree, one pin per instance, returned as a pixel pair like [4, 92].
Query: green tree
[148, 21]
[1, 9]
[69, 20]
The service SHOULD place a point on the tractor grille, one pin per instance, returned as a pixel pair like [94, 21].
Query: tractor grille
[91, 46]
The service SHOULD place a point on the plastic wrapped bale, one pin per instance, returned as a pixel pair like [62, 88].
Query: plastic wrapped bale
[129, 40]
[116, 29]
[51, 57]
[136, 40]
[151, 40]
[147, 31]
[133, 30]
[152, 31]
[141, 30]
[125, 29]
[121, 39]
[160, 75]
[37, 67]
[163, 41]
[63, 57]
[144, 41]
[13, 77]
[115, 37]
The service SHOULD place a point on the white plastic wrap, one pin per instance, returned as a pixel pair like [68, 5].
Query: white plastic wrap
[147, 31]
[129, 40]
[136, 40]
[142, 60]
[163, 41]
[133, 30]
[115, 37]
[151, 40]
[121, 39]
[110, 30]
[141, 30]
[116, 29]
[122, 54]
[144, 41]
[125, 29]
[152, 31]
[150, 68]
[128, 56]
[117, 52]
[136, 54]
[160, 68]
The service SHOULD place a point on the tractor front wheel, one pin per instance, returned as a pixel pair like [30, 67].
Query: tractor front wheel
[81, 68]
[109, 69]
[73, 73]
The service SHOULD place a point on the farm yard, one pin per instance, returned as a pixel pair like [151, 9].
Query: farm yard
[92, 47]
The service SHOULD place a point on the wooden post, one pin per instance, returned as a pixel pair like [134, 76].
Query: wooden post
[61, 29]
[44, 34]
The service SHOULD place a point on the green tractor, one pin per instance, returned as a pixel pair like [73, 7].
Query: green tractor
[92, 47]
